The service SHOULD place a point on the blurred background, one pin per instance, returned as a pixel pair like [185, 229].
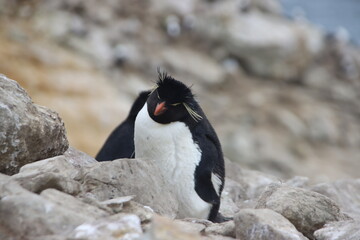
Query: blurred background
[279, 80]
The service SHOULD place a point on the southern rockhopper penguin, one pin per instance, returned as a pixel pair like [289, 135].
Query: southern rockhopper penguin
[172, 130]
[120, 143]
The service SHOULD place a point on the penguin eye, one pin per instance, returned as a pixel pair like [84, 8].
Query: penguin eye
[175, 104]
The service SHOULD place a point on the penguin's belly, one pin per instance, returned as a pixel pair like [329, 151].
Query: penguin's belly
[174, 151]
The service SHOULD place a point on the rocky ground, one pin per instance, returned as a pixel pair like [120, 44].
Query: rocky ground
[282, 95]
[69, 195]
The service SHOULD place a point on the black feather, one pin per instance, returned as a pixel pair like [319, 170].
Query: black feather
[173, 90]
[120, 143]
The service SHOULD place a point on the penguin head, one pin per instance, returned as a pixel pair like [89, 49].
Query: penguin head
[171, 100]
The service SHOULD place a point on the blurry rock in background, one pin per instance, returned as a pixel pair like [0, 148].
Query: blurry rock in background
[282, 95]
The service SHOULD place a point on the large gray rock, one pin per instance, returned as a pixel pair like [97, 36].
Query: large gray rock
[72, 204]
[24, 214]
[28, 132]
[285, 53]
[126, 177]
[344, 230]
[308, 211]
[346, 193]
[61, 172]
[263, 224]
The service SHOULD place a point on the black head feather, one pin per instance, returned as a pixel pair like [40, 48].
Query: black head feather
[173, 90]
[176, 100]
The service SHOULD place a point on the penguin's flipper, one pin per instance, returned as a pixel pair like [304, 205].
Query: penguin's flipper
[205, 189]
[205, 186]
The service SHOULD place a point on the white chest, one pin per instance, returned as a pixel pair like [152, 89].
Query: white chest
[175, 153]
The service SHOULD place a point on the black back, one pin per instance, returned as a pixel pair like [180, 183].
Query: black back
[120, 143]
[181, 106]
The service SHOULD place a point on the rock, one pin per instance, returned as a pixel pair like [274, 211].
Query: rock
[192, 225]
[124, 177]
[232, 195]
[344, 230]
[42, 181]
[61, 172]
[224, 229]
[119, 226]
[116, 204]
[284, 54]
[37, 215]
[72, 204]
[145, 213]
[78, 158]
[308, 211]
[346, 193]
[28, 132]
[194, 63]
[298, 181]
[264, 224]
[174, 7]
[163, 229]
[267, 6]
[249, 184]
[216, 237]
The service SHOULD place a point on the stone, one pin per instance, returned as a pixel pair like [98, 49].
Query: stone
[308, 211]
[78, 158]
[284, 54]
[343, 230]
[264, 224]
[61, 172]
[72, 204]
[216, 237]
[163, 229]
[145, 213]
[249, 183]
[267, 6]
[38, 216]
[298, 181]
[118, 226]
[28, 132]
[346, 193]
[232, 195]
[116, 204]
[194, 63]
[224, 229]
[124, 177]
[49, 237]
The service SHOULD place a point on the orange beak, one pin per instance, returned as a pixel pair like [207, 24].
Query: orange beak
[160, 109]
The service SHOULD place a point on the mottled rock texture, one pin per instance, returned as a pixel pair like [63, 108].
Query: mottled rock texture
[308, 211]
[136, 177]
[263, 224]
[28, 132]
[344, 230]
[346, 193]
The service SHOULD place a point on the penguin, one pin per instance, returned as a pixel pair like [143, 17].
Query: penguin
[120, 143]
[172, 130]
